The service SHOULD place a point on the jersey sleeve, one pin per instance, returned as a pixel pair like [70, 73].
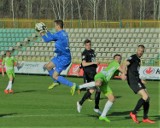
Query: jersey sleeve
[131, 59]
[14, 59]
[84, 56]
[50, 37]
[117, 65]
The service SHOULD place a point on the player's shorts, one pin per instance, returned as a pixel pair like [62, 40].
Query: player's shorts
[89, 76]
[136, 85]
[61, 63]
[106, 90]
[10, 73]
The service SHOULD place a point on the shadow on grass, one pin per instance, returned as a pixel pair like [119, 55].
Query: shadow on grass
[26, 91]
[156, 117]
[93, 116]
[104, 98]
[124, 116]
[7, 114]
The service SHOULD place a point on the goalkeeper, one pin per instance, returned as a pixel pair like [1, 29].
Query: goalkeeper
[63, 56]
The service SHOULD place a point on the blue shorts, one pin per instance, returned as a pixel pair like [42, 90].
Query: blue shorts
[61, 63]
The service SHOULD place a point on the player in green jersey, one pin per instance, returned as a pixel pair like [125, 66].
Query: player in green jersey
[101, 80]
[9, 62]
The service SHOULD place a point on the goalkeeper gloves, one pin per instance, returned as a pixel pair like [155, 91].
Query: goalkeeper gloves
[41, 27]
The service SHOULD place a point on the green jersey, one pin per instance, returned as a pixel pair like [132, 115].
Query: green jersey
[110, 70]
[9, 63]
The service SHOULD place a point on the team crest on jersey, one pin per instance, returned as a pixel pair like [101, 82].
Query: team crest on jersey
[139, 85]
[83, 57]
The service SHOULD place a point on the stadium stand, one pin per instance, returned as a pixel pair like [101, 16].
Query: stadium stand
[28, 46]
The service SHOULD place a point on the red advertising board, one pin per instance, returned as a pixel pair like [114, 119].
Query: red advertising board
[1, 66]
[74, 69]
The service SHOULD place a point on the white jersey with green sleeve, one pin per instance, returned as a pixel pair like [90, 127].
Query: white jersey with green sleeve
[110, 70]
[9, 62]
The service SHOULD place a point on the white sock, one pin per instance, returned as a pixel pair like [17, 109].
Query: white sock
[9, 87]
[87, 85]
[107, 107]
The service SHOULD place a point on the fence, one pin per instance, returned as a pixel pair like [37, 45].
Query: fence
[30, 23]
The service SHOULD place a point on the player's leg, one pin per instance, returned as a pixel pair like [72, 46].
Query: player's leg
[97, 99]
[87, 85]
[87, 94]
[64, 81]
[9, 86]
[50, 68]
[145, 97]
[84, 98]
[109, 94]
[140, 103]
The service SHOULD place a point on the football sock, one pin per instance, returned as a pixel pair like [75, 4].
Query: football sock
[138, 106]
[64, 81]
[107, 107]
[97, 98]
[87, 85]
[145, 109]
[86, 96]
[13, 80]
[9, 87]
[51, 75]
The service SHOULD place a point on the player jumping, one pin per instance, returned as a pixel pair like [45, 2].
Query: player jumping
[101, 80]
[9, 62]
[132, 65]
[63, 56]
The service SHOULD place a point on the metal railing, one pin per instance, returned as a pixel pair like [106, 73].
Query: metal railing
[30, 23]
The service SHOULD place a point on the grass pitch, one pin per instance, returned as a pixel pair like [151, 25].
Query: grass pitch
[33, 105]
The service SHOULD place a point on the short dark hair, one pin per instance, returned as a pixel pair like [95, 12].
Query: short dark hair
[141, 46]
[87, 41]
[59, 22]
[116, 55]
[8, 51]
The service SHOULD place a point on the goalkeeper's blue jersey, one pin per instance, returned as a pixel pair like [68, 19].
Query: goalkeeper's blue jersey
[61, 42]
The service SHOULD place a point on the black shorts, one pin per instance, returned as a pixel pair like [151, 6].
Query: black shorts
[89, 76]
[136, 85]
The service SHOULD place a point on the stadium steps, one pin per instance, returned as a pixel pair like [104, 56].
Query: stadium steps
[105, 41]
[11, 39]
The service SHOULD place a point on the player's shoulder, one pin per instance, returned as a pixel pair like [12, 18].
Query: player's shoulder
[84, 52]
[92, 50]
[12, 57]
[114, 62]
[132, 57]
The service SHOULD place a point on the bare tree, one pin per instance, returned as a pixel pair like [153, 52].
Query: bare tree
[113, 10]
[12, 6]
[79, 11]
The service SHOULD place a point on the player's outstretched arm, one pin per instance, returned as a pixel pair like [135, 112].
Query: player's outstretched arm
[84, 63]
[48, 37]
[123, 69]
[124, 66]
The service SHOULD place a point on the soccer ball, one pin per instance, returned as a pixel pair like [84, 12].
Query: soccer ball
[40, 27]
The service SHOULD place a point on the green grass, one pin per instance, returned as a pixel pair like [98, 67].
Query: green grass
[33, 105]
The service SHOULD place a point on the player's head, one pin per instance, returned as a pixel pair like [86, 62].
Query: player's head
[58, 24]
[117, 57]
[8, 53]
[87, 44]
[140, 50]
